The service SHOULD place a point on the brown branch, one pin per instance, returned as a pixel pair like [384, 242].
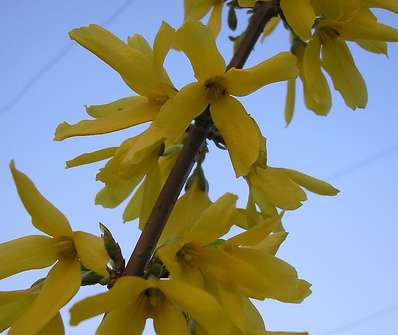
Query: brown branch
[146, 244]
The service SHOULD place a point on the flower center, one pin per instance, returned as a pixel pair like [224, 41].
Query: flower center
[65, 248]
[188, 254]
[154, 296]
[215, 88]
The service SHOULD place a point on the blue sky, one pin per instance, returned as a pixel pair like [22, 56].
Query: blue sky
[345, 246]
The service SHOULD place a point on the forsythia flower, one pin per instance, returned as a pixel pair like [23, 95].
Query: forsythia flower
[69, 249]
[215, 88]
[142, 70]
[196, 9]
[132, 300]
[14, 303]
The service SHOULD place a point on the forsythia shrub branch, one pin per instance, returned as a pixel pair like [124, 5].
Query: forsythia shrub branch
[184, 273]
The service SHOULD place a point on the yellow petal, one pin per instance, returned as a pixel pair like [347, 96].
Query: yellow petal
[377, 47]
[140, 113]
[290, 100]
[215, 19]
[231, 302]
[125, 291]
[239, 132]
[200, 305]
[163, 42]
[246, 3]
[197, 42]
[255, 234]
[139, 43]
[271, 243]
[134, 67]
[186, 211]
[133, 208]
[168, 255]
[121, 105]
[91, 252]
[178, 112]
[391, 5]
[338, 62]
[54, 327]
[214, 222]
[242, 82]
[26, 253]
[91, 157]
[310, 183]
[124, 320]
[196, 9]
[169, 318]
[278, 189]
[316, 89]
[45, 216]
[61, 284]
[254, 323]
[270, 27]
[300, 16]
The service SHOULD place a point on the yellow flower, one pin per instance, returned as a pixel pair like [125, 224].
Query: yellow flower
[14, 303]
[142, 70]
[69, 249]
[196, 9]
[132, 300]
[215, 87]
[299, 15]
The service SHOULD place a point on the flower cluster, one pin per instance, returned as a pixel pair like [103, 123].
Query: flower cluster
[202, 275]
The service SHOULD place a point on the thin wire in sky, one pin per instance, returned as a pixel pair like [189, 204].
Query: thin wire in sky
[62, 53]
[360, 322]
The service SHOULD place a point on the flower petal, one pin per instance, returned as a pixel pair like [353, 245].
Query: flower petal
[254, 323]
[215, 19]
[163, 42]
[197, 42]
[139, 43]
[54, 327]
[239, 132]
[200, 305]
[300, 15]
[26, 253]
[125, 291]
[242, 82]
[91, 252]
[133, 208]
[271, 243]
[310, 183]
[128, 319]
[91, 157]
[61, 284]
[290, 100]
[338, 62]
[377, 47]
[167, 318]
[316, 89]
[140, 113]
[194, 10]
[121, 105]
[45, 216]
[178, 112]
[214, 222]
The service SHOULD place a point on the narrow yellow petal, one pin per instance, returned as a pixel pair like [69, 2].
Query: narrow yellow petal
[254, 323]
[45, 216]
[168, 255]
[310, 183]
[61, 284]
[242, 82]
[140, 113]
[270, 27]
[54, 327]
[338, 62]
[214, 222]
[278, 189]
[197, 42]
[246, 3]
[271, 243]
[163, 42]
[178, 112]
[91, 252]
[377, 47]
[200, 305]
[215, 19]
[168, 318]
[139, 43]
[124, 320]
[194, 10]
[239, 132]
[26, 253]
[91, 157]
[134, 67]
[125, 291]
[121, 105]
[290, 100]
[316, 89]
[300, 15]
[133, 208]
[231, 302]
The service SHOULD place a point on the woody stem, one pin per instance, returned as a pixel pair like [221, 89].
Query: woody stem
[143, 251]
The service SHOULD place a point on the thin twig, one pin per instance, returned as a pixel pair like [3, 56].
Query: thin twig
[153, 228]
